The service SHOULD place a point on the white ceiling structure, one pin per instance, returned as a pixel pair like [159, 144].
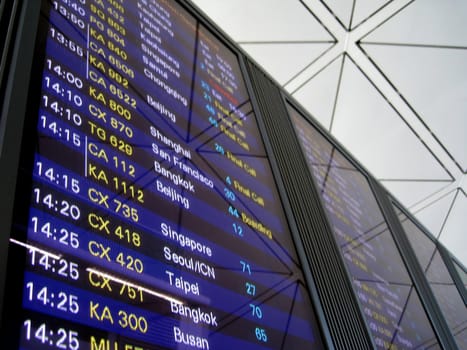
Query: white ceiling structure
[388, 78]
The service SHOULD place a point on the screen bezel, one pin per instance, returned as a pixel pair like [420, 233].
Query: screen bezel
[13, 139]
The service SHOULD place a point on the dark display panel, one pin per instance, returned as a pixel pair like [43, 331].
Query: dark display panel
[439, 278]
[154, 218]
[388, 300]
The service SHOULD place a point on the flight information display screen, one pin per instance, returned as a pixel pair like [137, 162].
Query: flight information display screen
[154, 218]
[385, 291]
[440, 280]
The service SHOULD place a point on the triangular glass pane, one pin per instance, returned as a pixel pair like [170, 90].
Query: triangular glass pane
[412, 192]
[427, 22]
[265, 20]
[319, 94]
[342, 10]
[272, 57]
[372, 130]
[434, 214]
[453, 235]
[365, 9]
[434, 82]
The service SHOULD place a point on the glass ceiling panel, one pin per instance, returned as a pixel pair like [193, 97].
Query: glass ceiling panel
[245, 20]
[434, 82]
[373, 131]
[272, 57]
[413, 192]
[319, 94]
[453, 235]
[351, 13]
[426, 22]
[434, 215]
[342, 9]
[366, 8]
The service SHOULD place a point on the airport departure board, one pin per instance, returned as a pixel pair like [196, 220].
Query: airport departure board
[444, 289]
[154, 218]
[385, 291]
